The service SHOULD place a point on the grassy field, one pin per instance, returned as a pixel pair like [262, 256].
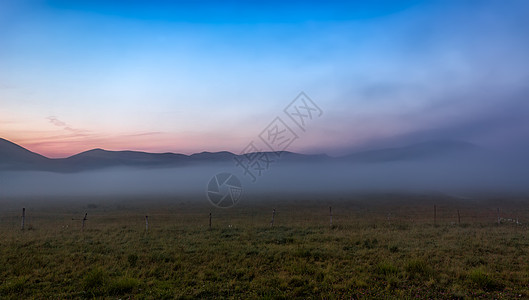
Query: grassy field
[380, 246]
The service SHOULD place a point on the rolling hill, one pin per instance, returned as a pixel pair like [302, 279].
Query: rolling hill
[15, 157]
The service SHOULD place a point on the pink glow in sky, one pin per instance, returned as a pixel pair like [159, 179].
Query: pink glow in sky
[173, 77]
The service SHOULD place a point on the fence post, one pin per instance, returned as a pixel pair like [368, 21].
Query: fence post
[84, 219]
[146, 223]
[273, 217]
[210, 220]
[23, 217]
[458, 218]
[498, 212]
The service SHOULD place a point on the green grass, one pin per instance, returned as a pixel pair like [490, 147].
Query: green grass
[364, 255]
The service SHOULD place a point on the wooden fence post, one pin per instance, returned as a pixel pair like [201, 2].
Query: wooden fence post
[458, 218]
[273, 217]
[84, 220]
[23, 217]
[146, 223]
[498, 212]
[210, 220]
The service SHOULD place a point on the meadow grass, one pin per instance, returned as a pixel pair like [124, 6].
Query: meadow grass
[378, 247]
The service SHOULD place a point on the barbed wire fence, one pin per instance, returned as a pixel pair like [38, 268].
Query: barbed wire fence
[288, 215]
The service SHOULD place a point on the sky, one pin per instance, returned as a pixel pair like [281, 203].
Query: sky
[193, 76]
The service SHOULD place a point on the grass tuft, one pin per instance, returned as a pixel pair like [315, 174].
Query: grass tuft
[122, 285]
[95, 280]
[387, 268]
[478, 277]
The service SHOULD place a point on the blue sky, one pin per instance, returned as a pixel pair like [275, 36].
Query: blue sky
[191, 76]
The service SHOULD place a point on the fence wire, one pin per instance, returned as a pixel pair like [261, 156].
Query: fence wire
[286, 215]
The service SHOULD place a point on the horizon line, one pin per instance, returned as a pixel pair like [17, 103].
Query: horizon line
[230, 152]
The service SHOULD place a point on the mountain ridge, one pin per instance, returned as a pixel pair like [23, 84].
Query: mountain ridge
[16, 157]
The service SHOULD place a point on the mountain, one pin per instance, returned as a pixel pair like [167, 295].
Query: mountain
[15, 157]
[420, 151]
[99, 158]
[212, 156]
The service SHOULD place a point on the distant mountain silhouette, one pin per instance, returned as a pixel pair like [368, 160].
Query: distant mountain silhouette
[212, 156]
[99, 158]
[15, 157]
